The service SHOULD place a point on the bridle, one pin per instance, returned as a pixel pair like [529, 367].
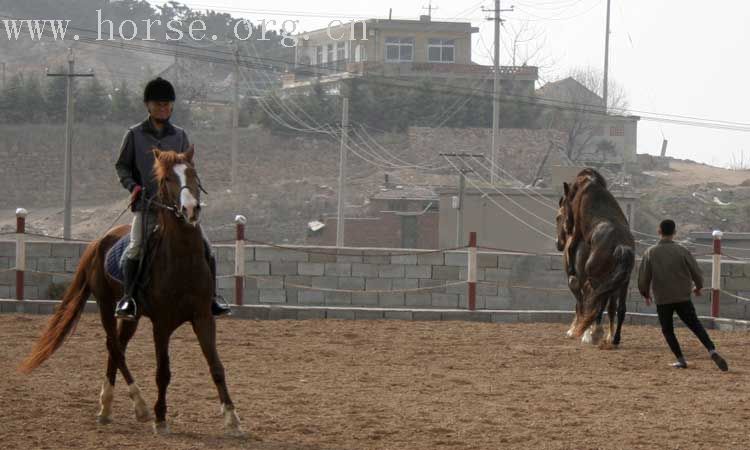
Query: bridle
[175, 207]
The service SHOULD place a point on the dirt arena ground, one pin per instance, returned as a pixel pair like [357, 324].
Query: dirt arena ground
[385, 385]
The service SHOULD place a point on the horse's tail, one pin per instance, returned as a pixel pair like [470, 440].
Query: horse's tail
[66, 315]
[624, 262]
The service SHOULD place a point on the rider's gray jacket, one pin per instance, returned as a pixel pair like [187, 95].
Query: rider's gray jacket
[136, 161]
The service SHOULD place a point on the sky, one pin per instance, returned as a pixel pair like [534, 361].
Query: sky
[686, 58]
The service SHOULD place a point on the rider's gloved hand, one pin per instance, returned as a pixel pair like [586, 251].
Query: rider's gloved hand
[135, 193]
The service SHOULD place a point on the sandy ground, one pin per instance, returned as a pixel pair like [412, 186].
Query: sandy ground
[386, 385]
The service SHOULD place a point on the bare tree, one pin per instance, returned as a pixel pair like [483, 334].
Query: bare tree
[593, 80]
[575, 106]
[526, 45]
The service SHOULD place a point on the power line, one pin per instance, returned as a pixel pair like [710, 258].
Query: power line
[265, 64]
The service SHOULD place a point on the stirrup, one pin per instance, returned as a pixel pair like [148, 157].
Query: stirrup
[126, 309]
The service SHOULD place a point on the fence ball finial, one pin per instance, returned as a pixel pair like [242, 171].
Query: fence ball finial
[20, 212]
[240, 219]
[717, 234]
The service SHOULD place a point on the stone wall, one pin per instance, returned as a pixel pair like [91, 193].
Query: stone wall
[274, 277]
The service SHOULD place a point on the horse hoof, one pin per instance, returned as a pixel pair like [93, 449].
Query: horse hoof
[161, 428]
[142, 416]
[569, 334]
[103, 420]
[236, 433]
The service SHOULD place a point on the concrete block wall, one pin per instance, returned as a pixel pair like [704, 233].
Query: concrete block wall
[280, 277]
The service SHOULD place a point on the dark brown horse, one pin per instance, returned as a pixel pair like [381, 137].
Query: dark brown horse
[596, 220]
[178, 291]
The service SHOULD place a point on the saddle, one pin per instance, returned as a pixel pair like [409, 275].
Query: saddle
[113, 259]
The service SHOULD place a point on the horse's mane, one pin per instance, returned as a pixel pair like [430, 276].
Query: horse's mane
[164, 161]
[589, 174]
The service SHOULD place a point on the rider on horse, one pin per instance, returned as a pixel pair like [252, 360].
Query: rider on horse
[135, 170]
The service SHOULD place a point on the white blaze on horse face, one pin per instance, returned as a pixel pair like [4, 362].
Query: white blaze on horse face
[187, 200]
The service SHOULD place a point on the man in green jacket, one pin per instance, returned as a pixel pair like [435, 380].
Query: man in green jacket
[670, 271]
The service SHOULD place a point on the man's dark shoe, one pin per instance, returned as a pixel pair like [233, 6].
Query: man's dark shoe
[219, 307]
[720, 362]
[126, 308]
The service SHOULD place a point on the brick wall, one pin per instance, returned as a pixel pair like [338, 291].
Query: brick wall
[274, 274]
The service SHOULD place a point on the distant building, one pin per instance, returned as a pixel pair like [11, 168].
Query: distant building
[594, 138]
[396, 217]
[404, 50]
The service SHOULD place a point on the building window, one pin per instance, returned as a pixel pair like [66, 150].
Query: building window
[319, 54]
[340, 51]
[329, 56]
[399, 49]
[441, 50]
[617, 131]
[360, 53]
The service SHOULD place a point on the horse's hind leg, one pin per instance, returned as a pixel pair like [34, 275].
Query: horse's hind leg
[611, 306]
[205, 330]
[622, 298]
[575, 287]
[595, 332]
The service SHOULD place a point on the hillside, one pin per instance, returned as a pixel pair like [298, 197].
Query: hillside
[697, 196]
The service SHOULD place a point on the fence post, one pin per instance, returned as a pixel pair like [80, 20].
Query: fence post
[20, 251]
[472, 270]
[716, 274]
[239, 260]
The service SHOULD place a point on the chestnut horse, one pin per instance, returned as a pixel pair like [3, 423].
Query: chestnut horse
[178, 291]
[576, 282]
[595, 220]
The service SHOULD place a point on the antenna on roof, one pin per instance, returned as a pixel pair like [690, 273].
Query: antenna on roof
[390, 12]
[429, 9]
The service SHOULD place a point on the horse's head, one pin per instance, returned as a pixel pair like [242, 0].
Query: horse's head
[179, 187]
[564, 218]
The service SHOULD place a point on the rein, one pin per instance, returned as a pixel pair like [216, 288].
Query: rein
[174, 208]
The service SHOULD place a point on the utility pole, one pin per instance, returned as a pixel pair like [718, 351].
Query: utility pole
[495, 86]
[461, 189]
[345, 92]
[235, 120]
[69, 138]
[606, 61]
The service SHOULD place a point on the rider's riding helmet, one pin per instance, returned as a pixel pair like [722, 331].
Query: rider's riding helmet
[158, 90]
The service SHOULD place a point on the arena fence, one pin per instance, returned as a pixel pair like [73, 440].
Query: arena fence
[379, 283]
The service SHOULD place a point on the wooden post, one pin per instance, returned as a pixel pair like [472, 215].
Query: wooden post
[20, 251]
[716, 274]
[239, 260]
[472, 271]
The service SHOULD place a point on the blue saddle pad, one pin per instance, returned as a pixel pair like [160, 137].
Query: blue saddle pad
[112, 261]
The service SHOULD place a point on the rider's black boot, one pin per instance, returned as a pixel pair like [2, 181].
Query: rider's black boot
[219, 306]
[126, 307]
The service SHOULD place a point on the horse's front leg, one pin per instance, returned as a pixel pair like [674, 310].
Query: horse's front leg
[205, 329]
[163, 376]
